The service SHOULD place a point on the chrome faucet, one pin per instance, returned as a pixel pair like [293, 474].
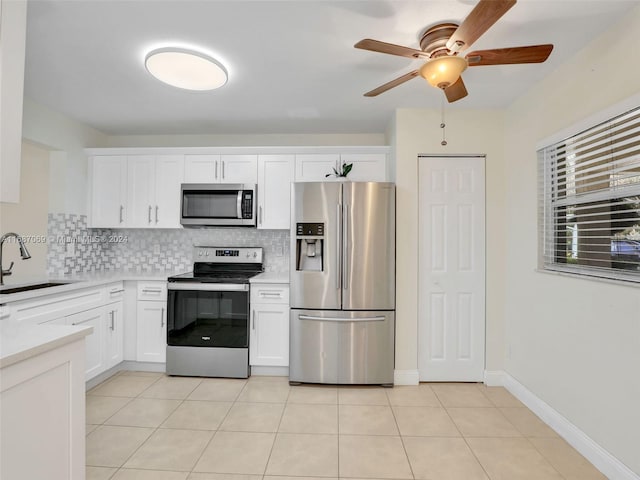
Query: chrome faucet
[24, 253]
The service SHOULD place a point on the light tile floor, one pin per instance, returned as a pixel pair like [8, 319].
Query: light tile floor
[145, 426]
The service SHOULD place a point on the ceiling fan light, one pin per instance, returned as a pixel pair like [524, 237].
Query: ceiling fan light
[186, 69]
[443, 71]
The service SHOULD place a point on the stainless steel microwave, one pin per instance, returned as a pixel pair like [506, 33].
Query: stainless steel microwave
[218, 205]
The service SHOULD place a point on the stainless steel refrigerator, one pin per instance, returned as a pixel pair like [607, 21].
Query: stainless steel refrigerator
[342, 278]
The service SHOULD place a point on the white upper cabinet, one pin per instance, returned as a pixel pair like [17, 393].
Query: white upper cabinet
[221, 169]
[136, 191]
[201, 168]
[169, 176]
[239, 169]
[367, 167]
[314, 167]
[154, 191]
[275, 174]
[108, 182]
[141, 190]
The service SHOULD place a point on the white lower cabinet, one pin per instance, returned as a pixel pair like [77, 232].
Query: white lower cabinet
[269, 336]
[95, 360]
[151, 322]
[114, 333]
[151, 331]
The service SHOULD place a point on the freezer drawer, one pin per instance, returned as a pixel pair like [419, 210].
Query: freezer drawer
[340, 347]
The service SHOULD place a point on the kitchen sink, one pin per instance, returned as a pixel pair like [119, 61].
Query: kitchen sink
[33, 286]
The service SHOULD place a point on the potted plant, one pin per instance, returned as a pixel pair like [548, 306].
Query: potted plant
[342, 173]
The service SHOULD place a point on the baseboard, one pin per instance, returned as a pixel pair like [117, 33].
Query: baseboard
[598, 456]
[128, 365]
[494, 378]
[406, 377]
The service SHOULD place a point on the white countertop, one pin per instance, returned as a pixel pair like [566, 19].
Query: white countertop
[95, 279]
[19, 342]
[73, 282]
[270, 277]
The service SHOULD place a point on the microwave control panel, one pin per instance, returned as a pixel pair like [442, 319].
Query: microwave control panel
[247, 204]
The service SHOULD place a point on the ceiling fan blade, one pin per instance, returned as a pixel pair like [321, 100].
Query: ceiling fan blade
[485, 14]
[456, 91]
[390, 48]
[393, 83]
[505, 56]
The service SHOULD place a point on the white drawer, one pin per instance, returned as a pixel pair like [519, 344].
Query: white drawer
[49, 307]
[152, 290]
[270, 293]
[114, 292]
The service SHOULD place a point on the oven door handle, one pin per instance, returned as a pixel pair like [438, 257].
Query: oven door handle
[210, 287]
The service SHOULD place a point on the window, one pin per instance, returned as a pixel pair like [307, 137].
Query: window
[589, 201]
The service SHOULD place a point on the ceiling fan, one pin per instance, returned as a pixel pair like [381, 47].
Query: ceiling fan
[441, 45]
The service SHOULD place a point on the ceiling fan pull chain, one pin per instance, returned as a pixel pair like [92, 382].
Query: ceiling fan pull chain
[442, 124]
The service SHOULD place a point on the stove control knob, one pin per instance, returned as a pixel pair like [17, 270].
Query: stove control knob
[255, 254]
[199, 254]
[207, 254]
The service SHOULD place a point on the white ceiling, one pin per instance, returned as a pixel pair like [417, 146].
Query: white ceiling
[292, 65]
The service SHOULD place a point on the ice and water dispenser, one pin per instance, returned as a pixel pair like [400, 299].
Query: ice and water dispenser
[310, 247]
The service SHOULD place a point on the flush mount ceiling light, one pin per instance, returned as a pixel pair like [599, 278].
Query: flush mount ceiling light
[186, 69]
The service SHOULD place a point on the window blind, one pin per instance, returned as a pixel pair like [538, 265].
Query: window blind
[589, 201]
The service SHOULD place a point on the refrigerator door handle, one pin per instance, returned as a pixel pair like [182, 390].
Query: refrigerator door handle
[338, 243]
[345, 248]
[345, 320]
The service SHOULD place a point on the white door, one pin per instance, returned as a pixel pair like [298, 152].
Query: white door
[141, 190]
[108, 191]
[275, 174]
[239, 169]
[169, 176]
[451, 269]
[151, 331]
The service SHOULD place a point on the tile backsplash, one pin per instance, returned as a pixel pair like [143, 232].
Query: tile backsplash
[74, 248]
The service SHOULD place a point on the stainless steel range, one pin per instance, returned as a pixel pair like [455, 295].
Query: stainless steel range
[208, 313]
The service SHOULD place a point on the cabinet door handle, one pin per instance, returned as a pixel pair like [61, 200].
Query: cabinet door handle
[271, 294]
[121, 213]
[113, 292]
[260, 215]
[156, 213]
[113, 314]
[151, 290]
[222, 169]
[149, 213]
[215, 176]
[253, 320]
[162, 318]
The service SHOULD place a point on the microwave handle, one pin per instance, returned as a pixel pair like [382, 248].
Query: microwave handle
[239, 204]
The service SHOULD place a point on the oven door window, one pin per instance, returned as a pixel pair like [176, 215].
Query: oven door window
[208, 319]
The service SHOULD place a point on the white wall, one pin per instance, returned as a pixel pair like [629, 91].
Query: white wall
[28, 217]
[575, 343]
[468, 132]
[246, 140]
[65, 138]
